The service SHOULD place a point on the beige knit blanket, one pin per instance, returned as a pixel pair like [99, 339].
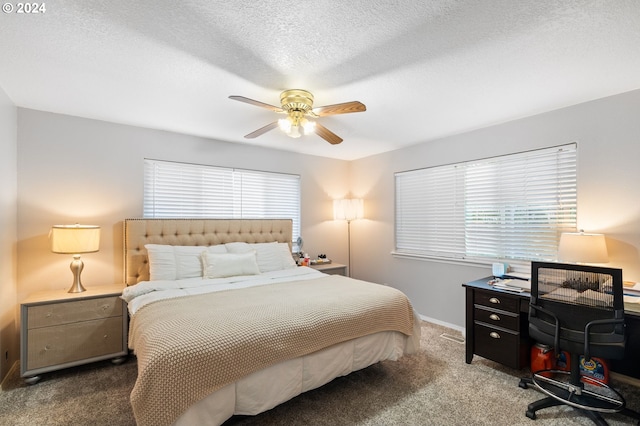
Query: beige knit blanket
[191, 346]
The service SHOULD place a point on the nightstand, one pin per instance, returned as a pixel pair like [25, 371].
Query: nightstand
[331, 268]
[60, 329]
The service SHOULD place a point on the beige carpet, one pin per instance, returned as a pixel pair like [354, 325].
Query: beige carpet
[433, 387]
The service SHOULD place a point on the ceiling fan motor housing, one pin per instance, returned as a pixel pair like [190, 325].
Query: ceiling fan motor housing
[296, 100]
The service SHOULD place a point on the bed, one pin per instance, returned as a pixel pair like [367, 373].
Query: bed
[224, 323]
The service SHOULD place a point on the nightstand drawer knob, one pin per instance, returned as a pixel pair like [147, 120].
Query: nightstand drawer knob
[494, 300]
[494, 335]
[105, 307]
[106, 336]
[494, 317]
[47, 347]
[48, 314]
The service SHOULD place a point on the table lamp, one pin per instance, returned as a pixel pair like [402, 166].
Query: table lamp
[580, 247]
[75, 239]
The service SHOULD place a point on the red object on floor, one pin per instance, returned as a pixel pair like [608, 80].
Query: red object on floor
[542, 358]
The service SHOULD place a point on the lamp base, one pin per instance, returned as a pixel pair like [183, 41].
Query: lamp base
[76, 267]
[76, 288]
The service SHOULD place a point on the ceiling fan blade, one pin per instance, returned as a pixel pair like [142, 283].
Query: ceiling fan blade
[344, 108]
[256, 103]
[262, 130]
[327, 134]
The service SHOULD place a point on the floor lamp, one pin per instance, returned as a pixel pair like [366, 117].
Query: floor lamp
[348, 209]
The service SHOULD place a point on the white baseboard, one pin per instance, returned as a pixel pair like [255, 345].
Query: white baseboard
[625, 379]
[442, 323]
[15, 366]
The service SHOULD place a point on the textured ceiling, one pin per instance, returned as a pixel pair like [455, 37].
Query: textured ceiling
[424, 69]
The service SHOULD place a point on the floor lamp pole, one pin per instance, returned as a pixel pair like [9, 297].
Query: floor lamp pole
[349, 247]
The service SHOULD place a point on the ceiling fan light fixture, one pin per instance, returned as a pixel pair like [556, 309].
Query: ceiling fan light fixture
[295, 132]
[308, 126]
[295, 125]
[285, 125]
[291, 126]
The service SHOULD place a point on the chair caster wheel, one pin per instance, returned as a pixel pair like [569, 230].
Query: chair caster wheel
[531, 414]
[523, 384]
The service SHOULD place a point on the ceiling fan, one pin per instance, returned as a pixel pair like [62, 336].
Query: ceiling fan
[298, 105]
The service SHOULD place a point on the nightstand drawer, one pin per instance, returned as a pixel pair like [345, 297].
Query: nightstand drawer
[72, 342]
[73, 311]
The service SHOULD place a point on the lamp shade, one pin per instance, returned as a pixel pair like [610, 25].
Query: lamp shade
[75, 239]
[348, 209]
[580, 247]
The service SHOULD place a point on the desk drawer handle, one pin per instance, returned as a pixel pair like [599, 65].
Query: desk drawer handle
[494, 317]
[494, 300]
[494, 335]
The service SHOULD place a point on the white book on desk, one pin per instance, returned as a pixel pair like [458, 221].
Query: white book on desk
[513, 285]
[631, 288]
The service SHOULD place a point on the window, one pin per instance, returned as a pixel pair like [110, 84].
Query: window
[512, 207]
[183, 190]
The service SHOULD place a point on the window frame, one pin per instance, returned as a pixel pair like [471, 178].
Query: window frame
[225, 193]
[455, 187]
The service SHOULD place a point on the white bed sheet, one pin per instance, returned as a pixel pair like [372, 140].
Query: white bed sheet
[274, 385]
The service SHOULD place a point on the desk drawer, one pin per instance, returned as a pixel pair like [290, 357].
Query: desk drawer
[497, 300]
[497, 344]
[497, 318]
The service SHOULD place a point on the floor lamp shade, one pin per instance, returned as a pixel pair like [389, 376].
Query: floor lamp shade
[74, 240]
[580, 247]
[348, 209]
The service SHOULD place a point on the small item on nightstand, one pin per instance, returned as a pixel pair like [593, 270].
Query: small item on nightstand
[321, 260]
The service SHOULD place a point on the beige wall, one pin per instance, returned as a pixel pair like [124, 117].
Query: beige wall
[608, 135]
[80, 170]
[9, 346]
[75, 170]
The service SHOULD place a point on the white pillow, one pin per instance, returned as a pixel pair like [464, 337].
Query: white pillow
[177, 262]
[270, 256]
[229, 264]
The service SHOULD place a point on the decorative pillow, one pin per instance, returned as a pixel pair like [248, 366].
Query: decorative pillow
[177, 262]
[269, 256]
[229, 264]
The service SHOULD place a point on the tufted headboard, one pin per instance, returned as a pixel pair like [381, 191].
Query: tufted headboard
[194, 232]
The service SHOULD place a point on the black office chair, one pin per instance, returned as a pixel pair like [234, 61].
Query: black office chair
[578, 309]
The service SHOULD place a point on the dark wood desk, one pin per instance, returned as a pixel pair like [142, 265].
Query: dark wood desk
[497, 328]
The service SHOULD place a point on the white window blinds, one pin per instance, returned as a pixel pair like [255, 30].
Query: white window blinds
[512, 207]
[180, 190]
